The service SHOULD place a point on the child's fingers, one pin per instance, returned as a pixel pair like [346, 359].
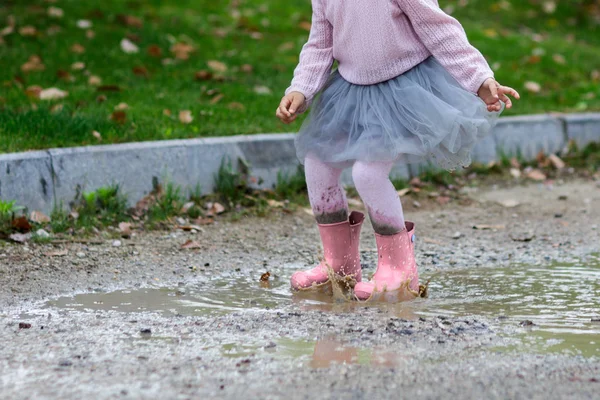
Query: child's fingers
[493, 89]
[506, 100]
[510, 91]
[284, 105]
[297, 102]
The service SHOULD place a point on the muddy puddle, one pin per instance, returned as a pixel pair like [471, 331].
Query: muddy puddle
[553, 308]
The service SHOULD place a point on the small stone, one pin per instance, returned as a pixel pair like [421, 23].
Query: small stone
[558, 215]
[146, 331]
[526, 323]
[457, 235]
[563, 197]
[42, 233]
[116, 243]
[24, 325]
[271, 345]
[65, 363]
[80, 255]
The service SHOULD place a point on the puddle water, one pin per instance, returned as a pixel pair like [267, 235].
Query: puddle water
[560, 301]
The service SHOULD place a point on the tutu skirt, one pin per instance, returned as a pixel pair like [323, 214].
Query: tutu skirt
[423, 115]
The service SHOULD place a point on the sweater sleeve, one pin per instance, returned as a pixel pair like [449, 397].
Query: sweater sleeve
[446, 39]
[316, 58]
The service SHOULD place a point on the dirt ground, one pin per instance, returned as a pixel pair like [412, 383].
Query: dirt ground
[291, 349]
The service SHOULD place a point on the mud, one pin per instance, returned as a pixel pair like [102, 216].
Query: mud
[504, 317]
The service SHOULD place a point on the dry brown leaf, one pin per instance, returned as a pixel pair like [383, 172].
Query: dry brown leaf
[109, 88]
[77, 48]
[130, 20]
[97, 135]
[443, 200]
[182, 50]
[21, 224]
[559, 59]
[185, 117]
[247, 68]
[217, 208]
[90, 34]
[39, 217]
[53, 94]
[536, 175]
[154, 51]
[191, 244]
[33, 91]
[189, 228]
[94, 80]
[77, 66]
[265, 277]
[533, 87]
[404, 192]
[55, 12]
[236, 106]
[34, 63]
[509, 203]
[275, 203]
[217, 98]
[141, 71]
[57, 253]
[556, 161]
[203, 75]
[204, 221]
[125, 229]
[119, 116]
[100, 99]
[262, 90]
[121, 107]
[27, 30]
[217, 66]
[167, 112]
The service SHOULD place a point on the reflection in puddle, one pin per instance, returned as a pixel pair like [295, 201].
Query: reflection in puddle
[560, 300]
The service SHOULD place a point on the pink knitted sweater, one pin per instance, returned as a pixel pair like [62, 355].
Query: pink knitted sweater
[377, 40]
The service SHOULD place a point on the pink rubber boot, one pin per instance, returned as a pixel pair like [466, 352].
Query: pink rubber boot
[396, 268]
[340, 250]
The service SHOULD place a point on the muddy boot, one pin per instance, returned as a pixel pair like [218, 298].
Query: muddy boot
[340, 250]
[396, 277]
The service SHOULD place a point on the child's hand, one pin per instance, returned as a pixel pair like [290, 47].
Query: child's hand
[288, 107]
[491, 92]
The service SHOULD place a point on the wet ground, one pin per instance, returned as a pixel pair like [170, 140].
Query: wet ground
[513, 311]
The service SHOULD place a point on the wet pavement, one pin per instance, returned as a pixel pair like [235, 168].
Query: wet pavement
[503, 319]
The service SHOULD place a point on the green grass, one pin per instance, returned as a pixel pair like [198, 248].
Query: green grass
[265, 34]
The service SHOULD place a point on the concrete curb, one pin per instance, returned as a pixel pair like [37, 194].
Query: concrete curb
[41, 179]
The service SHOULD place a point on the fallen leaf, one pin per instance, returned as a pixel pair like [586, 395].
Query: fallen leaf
[217, 208]
[204, 221]
[536, 175]
[27, 30]
[20, 237]
[101, 99]
[217, 98]
[119, 116]
[130, 20]
[53, 94]
[97, 135]
[185, 117]
[509, 203]
[275, 203]
[236, 106]
[203, 75]
[189, 228]
[559, 59]
[77, 48]
[265, 277]
[556, 161]
[167, 112]
[443, 200]
[84, 24]
[78, 66]
[39, 217]
[309, 211]
[182, 50]
[247, 68]
[55, 12]
[34, 63]
[154, 51]
[191, 244]
[90, 34]
[64, 75]
[217, 66]
[516, 173]
[125, 229]
[129, 47]
[58, 253]
[141, 71]
[121, 106]
[262, 90]
[404, 192]
[488, 227]
[533, 87]
[7, 30]
[33, 91]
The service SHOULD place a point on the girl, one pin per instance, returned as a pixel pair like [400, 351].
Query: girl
[405, 90]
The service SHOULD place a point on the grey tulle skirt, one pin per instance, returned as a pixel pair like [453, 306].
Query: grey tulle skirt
[421, 115]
